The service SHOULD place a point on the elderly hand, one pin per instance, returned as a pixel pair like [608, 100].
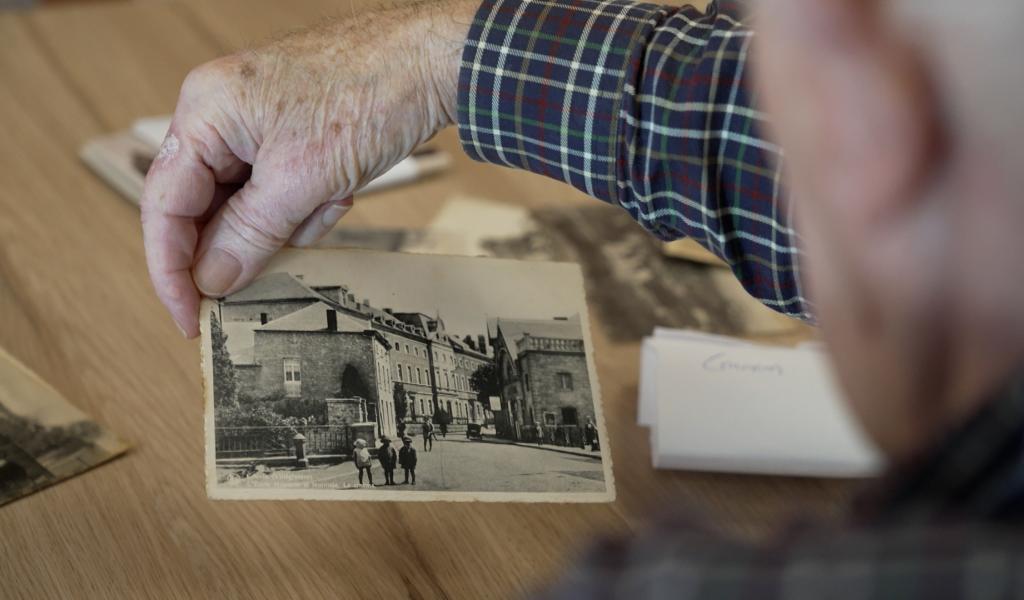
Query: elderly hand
[267, 146]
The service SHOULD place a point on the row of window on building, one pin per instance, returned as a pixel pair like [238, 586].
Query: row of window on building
[564, 381]
[405, 374]
[421, 407]
[293, 378]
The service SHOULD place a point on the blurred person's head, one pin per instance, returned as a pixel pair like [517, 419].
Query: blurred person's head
[903, 129]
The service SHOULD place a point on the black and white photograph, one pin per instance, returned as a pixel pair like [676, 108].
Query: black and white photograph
[43, 438]
[357, 375]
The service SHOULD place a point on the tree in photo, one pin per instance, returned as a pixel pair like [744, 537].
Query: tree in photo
[352, 384]
[401, 402]
[484, 381]
[441, 417]
[225, 384]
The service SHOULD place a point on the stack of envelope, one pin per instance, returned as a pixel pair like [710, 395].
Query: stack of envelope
[715, 403]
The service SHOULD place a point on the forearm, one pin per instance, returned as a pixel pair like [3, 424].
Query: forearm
[642, 106]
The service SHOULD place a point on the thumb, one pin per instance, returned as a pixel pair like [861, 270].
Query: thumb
[251, 226]
[323, 219]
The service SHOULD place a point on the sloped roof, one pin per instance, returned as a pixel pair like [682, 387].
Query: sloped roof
[314, 318]
[567, 329]
[274, 287]
[464, 348]
[514, 330]
[427, 326]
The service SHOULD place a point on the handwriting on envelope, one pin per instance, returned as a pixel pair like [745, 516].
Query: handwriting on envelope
[723, 404]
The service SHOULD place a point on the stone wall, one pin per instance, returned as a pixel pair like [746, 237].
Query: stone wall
[345, 411]
[323, 357]
[248, 378]
[542, 386]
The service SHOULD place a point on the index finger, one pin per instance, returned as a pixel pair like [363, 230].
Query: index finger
[179, 189]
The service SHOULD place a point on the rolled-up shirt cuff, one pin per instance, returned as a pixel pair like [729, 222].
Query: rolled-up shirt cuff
[541, 86]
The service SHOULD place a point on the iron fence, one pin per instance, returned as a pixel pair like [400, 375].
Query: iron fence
[235, 442]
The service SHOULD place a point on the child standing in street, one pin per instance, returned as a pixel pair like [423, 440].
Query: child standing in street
[361, 456]
[407, 458]
[388, 459]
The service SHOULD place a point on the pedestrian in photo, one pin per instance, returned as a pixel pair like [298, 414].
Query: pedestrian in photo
[444, 426]
[590, 435]
[388, 458]
[361, 456]
[401, 428]
[407, 459]
[539, 431]
[428, 435]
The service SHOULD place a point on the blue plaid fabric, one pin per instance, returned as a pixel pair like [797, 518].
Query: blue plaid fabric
[643, 106]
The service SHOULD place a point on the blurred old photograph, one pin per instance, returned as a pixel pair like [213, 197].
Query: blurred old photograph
[346, 374]
[43, 438]
[632, 281]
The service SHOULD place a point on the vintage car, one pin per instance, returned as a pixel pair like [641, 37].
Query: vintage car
[473, 431]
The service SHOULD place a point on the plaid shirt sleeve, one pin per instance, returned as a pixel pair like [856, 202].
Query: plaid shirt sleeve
[643, 106]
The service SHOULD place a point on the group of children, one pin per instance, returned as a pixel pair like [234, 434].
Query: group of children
[389, 459]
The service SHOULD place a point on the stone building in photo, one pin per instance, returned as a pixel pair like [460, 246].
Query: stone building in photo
[440, 365]
[315, 354]
[319, 342]
[470, 355]
[410, 364]
[542, 374]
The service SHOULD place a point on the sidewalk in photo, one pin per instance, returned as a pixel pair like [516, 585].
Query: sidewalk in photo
[552, 447]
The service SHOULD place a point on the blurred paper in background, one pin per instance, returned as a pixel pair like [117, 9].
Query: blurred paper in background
[43, 438]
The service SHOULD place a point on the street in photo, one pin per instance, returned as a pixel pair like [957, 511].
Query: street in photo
[355, 375]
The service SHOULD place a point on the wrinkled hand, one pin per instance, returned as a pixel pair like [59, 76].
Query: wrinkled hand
[267, 146]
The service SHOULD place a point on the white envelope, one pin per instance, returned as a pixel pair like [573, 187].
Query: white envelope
[721, 404]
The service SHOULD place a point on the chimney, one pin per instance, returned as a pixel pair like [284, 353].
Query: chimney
[481, 343]
[352, 298]
[332, 320]
[263, 318]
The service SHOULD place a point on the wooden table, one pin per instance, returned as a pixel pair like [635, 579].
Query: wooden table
[76, 305]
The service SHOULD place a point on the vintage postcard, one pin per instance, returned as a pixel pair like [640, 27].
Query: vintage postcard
[43, 438]
[357, 375]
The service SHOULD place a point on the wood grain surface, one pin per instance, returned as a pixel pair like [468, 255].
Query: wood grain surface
[76, 306]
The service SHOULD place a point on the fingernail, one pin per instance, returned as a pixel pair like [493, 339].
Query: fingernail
[182, 330]
[216, 272]
[335, 212]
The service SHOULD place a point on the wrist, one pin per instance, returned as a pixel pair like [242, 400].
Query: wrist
[444, 30]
